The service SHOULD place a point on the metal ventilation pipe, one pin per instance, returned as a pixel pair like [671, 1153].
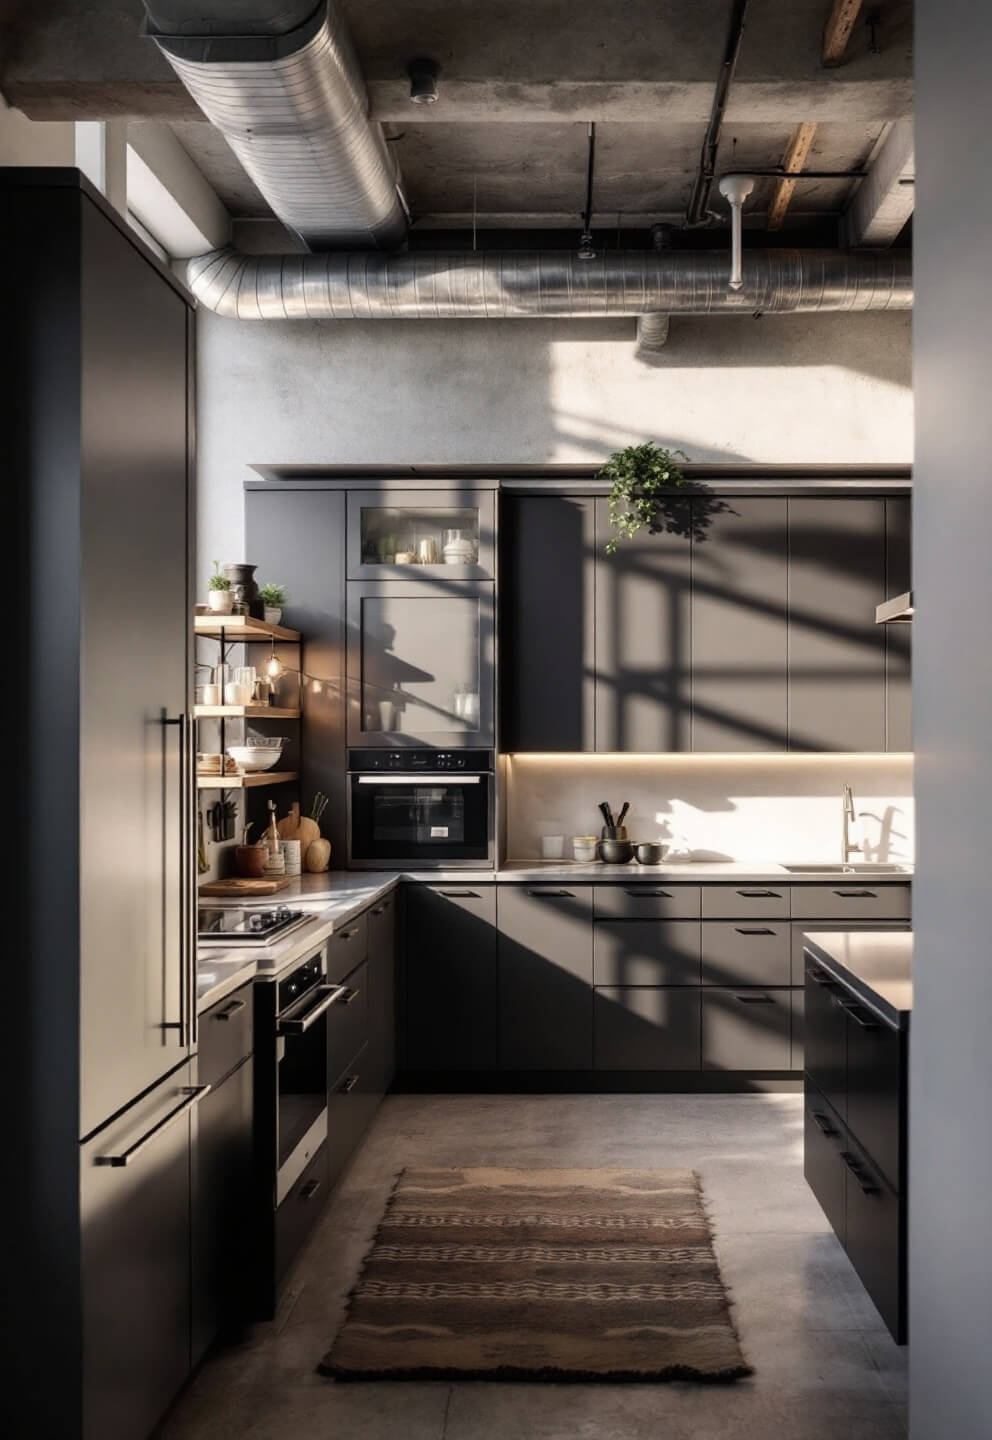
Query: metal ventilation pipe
[283, 86]
[527, 283]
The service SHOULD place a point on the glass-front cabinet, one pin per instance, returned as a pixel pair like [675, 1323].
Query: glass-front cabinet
[420, 663]
[398, 534]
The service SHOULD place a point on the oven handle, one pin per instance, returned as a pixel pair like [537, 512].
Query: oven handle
[416, 778]
[300, 1024]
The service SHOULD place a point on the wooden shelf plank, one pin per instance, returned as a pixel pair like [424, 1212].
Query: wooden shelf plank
[236, 628]
[246, 712]
[246, 782]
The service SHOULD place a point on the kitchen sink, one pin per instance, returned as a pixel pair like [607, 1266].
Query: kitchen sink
[867, 868]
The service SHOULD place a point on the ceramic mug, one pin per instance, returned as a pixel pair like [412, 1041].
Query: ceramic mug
[552, 847]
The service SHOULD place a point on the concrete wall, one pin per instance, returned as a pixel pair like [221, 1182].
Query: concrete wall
[26, 142]
[951, 1050]
[780, 389]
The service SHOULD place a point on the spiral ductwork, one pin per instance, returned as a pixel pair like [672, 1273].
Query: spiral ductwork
[294, 109]
[500, 285]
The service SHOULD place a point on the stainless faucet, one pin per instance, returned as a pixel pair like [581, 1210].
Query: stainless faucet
[847, 846]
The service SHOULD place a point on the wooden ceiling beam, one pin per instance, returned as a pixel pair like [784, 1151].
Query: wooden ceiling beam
[837, 31]
[793, 162]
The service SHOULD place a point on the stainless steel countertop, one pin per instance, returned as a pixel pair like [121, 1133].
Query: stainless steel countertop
[877, 965]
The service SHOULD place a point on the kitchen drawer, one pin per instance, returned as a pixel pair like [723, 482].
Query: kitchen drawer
[646, 1029]
[347, 948]
[300, 1211]
[746, 952]
[645, 952]
[733, 902]
[854, 899]
[875, 1239]
[348, 1022]
[825, 1171]
[825, 1036]
[350, 1107]
[644, 900]
[876, 1082]
[746, 1029]
[225, 1036]
[798, 1028]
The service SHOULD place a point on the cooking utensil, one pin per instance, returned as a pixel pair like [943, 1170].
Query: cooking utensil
[649, 852]
[240, 888]
[616, 852]
[606, 813]
[622, 815]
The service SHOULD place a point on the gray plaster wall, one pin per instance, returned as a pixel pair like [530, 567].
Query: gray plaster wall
[782, 389]
[950, 1051]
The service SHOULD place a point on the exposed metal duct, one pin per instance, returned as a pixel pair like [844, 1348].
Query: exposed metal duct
[293, 107]
[521, 283]
[652, 333]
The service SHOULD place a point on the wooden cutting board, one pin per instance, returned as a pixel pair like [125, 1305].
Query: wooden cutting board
[240, 889]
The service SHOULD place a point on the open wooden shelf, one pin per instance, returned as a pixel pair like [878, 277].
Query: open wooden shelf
[246, 712]
[246, 782]
[235, 628]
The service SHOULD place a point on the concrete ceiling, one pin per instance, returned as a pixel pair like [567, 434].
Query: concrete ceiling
[520, 80]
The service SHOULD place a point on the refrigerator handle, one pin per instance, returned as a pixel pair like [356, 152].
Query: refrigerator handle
[186, 1022]
[190, 871]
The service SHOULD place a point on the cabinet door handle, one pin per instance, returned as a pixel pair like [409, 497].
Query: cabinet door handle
[346, 934]
[860, 1014]
[552, 894]
[759, 894]
[229, 1011]
[650, 894]
[460, 894]
[821, 978]
[351, 995]
[856, 894]
[822, 1123]
[379, 910]
[309, 1190]
[865, 1183]
[346, 1087]
[194, 1094]
[755, 999]
[753, 930]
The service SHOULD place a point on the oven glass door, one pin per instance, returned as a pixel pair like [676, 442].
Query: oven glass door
[302, 1064]
[433, 819]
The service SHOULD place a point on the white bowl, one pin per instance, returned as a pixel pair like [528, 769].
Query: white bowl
[254, 757]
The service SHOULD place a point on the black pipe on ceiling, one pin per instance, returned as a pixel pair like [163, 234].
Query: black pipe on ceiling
[699, 201]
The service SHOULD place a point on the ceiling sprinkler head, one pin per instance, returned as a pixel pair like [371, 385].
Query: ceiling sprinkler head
[587, 250]
[423, 74]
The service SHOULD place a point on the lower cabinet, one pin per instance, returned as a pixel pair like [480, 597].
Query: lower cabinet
[646, 1028]
[382, 993]
[545, 977]
[351, 1106]
[222, 1178]
[745, 1029]
[298, 1212]
[450, 978]
[136, 1236]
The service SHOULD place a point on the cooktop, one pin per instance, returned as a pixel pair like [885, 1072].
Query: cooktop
[246, 925]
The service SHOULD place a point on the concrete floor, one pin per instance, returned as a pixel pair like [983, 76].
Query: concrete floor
[825, 1365]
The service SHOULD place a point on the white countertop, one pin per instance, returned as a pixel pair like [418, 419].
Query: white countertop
[876, 964]
[690, 871]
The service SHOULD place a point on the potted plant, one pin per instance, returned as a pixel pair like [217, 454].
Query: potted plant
[645, 481]
[273, 599]
[219, 595]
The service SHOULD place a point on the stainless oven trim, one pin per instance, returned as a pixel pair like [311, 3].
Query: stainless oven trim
[420, 777]
[415, 862]
[296, 1162]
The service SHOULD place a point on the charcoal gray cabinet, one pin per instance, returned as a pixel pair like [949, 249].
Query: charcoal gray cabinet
[420, 663]
[646, 1027]
[646, 952]
[450, 977]
[545, 977]
[898, 638]
[547, 604]
[836, 651]
[382, 987]
[740, 629]
[384, 523]
[643, 639]
[746, 1028]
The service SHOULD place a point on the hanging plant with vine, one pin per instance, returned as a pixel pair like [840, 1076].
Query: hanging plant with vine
[645, 481]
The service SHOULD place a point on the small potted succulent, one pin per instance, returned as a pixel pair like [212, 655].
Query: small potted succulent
[219, 596]
[273, 599]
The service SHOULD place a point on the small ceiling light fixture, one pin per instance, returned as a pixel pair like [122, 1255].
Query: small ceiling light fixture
[587, 249]
[423, 74]
[735, 189]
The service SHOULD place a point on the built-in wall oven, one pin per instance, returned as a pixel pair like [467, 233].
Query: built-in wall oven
[429, 809]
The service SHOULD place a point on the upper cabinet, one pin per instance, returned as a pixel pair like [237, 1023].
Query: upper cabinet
[420, 664]
[748, 625]
[408, 534]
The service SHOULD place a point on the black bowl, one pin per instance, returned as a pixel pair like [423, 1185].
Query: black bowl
[616, 852]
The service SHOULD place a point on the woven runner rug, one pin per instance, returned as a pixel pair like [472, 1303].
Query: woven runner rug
[493, 1274]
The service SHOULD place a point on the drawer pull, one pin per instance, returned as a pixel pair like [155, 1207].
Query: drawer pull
[754, 930]
[821, 978]
[822, 1123]
[380, 909]
[759, 894]
[194, 1094]
[351, 995]
[460, 894]
[755, 999]
[865, 1183]
[346, 934]
[309, 1190]
[229, 1011]
[859, 1014]
[857, 894]
[641, 894]
[552, 894]
[348, 1085]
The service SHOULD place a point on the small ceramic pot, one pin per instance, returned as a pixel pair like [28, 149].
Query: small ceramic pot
[584, 847]
[649, 852]
[616, 852]
[273, 614]
[250, 861]
[221, 602]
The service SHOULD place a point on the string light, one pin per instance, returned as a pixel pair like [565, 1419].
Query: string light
[274, 667]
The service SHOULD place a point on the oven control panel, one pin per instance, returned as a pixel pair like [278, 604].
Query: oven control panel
[300, 980]
[410, 762]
